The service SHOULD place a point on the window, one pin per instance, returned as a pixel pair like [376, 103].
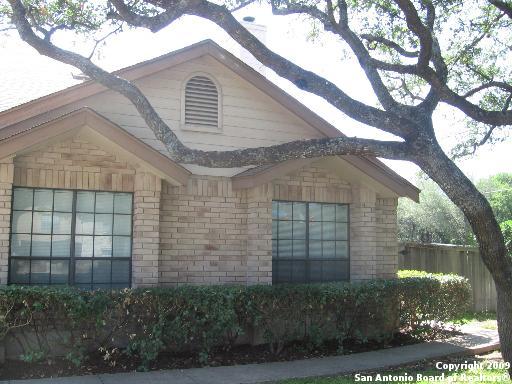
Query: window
[309, 242]
[201, 104]
[81, 238]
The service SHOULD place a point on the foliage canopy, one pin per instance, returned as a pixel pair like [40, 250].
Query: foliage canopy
[437, 220]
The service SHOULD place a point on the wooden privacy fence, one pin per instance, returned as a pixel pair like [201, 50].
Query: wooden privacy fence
[458, 259]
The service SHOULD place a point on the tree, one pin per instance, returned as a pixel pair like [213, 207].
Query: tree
[415, 54]
[435, 220]
[498, 190]
[506, 228]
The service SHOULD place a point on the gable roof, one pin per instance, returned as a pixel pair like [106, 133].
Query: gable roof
[86, 117]
[372, 166]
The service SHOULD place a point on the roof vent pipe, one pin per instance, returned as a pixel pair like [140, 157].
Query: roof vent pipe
[260, 31]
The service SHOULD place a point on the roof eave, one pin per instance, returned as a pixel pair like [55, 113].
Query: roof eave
[86, 117]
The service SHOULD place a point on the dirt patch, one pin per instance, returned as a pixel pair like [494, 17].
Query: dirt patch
[245, 354]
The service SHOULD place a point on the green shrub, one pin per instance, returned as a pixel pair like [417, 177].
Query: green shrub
[430, 299]
[146, 322]
[47, 316]
[203, 317]
[314, 313]
[187, 317]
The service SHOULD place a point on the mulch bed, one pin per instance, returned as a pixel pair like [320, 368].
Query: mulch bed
[243, 354]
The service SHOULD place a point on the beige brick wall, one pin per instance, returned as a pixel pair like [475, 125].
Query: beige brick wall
[146, 230]
[6, 178]
[387, 240]
[76, 163]
[259, 235]
[211, 234]
[363, 239]
[312, 184]
[203, 233]
[73, 163]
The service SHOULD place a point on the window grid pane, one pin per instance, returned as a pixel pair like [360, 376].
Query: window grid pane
[58, 231]
[23, 199]
[309, 242]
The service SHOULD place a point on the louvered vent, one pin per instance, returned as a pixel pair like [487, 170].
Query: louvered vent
[201, 102]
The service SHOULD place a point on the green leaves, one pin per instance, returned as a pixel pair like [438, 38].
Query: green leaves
[429, 300]
[80, 16]
[146, 322]
[498, 190]
[506, 229]
[435, 220]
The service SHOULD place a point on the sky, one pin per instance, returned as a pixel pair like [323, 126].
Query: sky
[287, 36]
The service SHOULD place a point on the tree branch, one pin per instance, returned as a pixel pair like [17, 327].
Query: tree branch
[475, 41]
[388, 121]
[177, 150]
[48, 34]
[502, 6]
[343, 30]
[469, 109]
[153, 23]
[298, 149]
[491, 84]
[97, 42]
[242, 4]
[390, 44]
[419, 29]
[484, 139]
[430, 50]
[488, 134]
[365, 60]
[409, 92]
[391, 120]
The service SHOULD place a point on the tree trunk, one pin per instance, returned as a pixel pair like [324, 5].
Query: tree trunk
[505, 323]
[478, 211]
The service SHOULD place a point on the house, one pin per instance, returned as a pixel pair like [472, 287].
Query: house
[88, 196]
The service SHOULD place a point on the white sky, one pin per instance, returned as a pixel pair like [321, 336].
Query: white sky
[285, 35]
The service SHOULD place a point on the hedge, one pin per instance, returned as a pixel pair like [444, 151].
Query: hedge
[146, 322]
[432, 298]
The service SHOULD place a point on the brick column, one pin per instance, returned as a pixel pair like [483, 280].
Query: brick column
[146, 230]
[6, 180]
[259, 235]
[387, 241]
[363, 236]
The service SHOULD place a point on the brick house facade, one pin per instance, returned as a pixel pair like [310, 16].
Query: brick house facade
[189, 225]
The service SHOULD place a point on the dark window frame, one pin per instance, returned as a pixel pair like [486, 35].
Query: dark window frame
[72, 258]
[307, 260]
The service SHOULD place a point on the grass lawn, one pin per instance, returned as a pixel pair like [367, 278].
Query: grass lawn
[485, 374]
[485, 320]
